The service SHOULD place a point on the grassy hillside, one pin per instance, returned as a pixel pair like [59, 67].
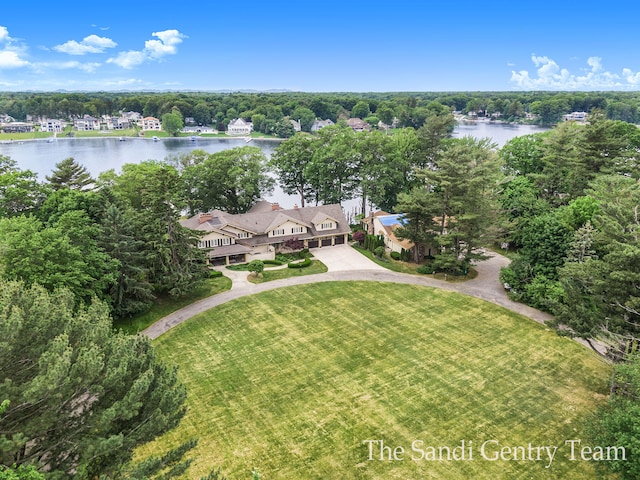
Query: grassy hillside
[294, 380]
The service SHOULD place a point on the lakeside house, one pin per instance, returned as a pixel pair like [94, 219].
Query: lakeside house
[580, 117]
[116, 123]
[263, 231]
[319, 124]
[52, 125]
[238, 126]
[17, 127]
[86, 123]
[358, 125]
[151, 123]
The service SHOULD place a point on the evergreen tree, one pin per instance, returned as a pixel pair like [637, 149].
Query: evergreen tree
[81, 397]
[130, 292]
[69, 174]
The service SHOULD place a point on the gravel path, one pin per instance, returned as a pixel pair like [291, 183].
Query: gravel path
[344, 264]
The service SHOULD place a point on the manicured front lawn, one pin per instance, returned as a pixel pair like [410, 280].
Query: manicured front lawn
[280, 273]
[293, 381]
[166, 305]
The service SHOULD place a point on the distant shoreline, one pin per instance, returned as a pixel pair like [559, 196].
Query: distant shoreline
[126, 138]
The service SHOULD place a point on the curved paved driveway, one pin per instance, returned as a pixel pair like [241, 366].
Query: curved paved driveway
[345, 263]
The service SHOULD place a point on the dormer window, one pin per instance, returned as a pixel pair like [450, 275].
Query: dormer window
[278, 231]
[327, 226]
[297, 230]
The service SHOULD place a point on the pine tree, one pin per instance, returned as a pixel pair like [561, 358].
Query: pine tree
[131, 291]
[81, 396]
[69, 174]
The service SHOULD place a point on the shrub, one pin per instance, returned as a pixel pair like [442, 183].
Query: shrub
[395, 255]
[426, 269]
[358, 236]
[256, 266]
[294, 243]
[215, 273]
[379, 251]
[305, 263]
[272, 262]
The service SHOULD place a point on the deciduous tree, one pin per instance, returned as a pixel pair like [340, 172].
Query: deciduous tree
[289, 161]
[230, 180]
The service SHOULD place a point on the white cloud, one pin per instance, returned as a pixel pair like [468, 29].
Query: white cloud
[153, 49]
[90, 44]
[550, 76]
[128, 59]
[11, 59]
[10, 54]
[4, 34]
[595, 63]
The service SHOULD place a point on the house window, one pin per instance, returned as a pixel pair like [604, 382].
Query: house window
[297, 230]
[216, 242]
[278, 231]
[326, 226]
[243, 235]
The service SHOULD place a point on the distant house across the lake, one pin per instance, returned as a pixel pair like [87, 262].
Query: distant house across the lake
[238, 126]
[319, 124]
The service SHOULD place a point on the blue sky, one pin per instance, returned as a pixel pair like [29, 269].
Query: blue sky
[327, 46]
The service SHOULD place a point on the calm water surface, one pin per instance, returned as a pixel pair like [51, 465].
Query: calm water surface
[102, 154]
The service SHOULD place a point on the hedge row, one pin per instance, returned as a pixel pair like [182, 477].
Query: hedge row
[272, 262]
[305, 263]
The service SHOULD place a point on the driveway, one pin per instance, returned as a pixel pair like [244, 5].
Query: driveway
[343, 258]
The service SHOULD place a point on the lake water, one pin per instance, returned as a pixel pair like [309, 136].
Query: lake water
[101, 154]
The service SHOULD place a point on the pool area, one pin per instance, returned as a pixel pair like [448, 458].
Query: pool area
[390, 220]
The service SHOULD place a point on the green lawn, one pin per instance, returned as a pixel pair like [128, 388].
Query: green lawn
[280, 273]
[294, 380]
[410, 267]
[166, 305]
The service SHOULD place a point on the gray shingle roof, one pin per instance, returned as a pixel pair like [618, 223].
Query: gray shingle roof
[260, 220]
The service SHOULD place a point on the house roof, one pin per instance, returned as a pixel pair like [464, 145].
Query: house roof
[225, 250]
[390, 222]
[260, 221]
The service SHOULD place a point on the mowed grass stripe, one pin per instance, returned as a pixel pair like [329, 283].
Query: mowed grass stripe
[291, 381]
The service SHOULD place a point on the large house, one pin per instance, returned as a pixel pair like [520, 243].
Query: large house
[151, 123]
[17, 127]
[263, 230]
[239, 127]
[358, 125]
[385, 224]
[320, 124]
[86, 123]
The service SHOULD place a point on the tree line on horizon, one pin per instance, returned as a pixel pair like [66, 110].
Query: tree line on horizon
[265, 110]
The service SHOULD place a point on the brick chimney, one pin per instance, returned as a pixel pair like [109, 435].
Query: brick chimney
[204, 217]
[275, 206]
